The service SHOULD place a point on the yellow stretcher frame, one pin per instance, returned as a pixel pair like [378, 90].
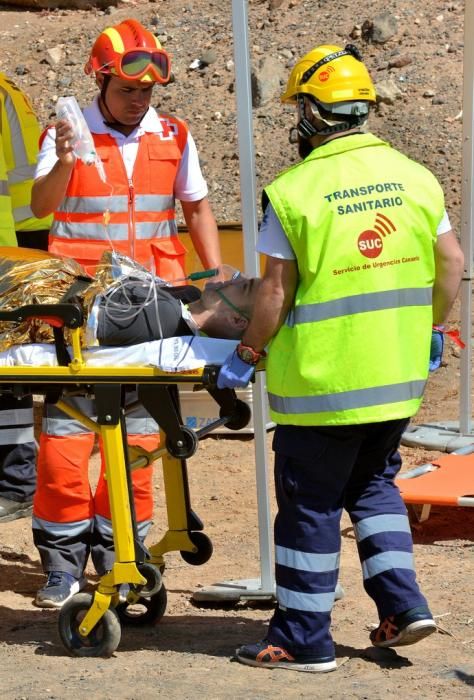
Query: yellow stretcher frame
[90, 625]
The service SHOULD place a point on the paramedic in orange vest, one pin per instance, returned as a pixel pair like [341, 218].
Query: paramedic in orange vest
[149, 160]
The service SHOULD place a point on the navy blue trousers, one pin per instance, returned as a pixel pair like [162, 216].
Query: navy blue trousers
[318, 472]
[17, 449]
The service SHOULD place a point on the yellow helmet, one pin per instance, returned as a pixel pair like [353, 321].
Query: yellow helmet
[330, 74]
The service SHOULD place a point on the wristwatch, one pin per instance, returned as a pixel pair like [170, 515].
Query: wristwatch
[248, 354]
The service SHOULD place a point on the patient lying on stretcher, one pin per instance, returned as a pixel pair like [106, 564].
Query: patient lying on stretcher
[123, 304]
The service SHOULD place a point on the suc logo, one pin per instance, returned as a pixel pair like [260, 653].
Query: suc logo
[370, 241]
[324, 75]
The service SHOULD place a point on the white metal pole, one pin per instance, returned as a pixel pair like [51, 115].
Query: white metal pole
[249, 222]
[467, 218]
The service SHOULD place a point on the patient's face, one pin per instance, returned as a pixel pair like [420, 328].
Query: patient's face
[238, 295]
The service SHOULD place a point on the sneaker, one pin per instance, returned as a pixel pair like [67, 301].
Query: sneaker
[406, 628]
[266, 655]
[12, 510]
[59, 588]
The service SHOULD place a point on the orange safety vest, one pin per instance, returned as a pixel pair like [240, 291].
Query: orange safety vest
[135, 217]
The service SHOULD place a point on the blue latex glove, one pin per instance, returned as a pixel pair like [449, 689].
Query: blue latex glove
[234, 373]
[436, 350]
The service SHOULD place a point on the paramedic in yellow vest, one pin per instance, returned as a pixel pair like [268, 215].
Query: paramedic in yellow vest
[361, 261]
[149, 160]
[20, 131]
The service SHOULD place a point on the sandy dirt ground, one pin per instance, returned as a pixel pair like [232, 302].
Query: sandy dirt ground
[189, 653]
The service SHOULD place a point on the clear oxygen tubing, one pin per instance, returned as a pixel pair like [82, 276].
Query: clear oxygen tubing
[126, 268]
[118, 312]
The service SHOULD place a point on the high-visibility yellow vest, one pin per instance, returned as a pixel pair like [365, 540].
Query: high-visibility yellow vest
[362, 219]
[7, 225]
[20, 132]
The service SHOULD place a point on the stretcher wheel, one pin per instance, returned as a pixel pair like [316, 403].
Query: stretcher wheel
[153, 579]
[186, 446]
[240, 417]
[103, 639]
[204, 549]
[143, 611]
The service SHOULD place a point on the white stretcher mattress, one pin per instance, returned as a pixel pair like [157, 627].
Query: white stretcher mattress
[169, 355]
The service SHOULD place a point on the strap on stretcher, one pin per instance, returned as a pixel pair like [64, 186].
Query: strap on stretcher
[57, 315]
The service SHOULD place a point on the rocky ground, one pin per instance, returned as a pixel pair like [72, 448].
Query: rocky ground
[415, 56]
[416, 64]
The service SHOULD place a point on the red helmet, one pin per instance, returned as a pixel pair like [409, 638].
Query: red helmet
[131, 52]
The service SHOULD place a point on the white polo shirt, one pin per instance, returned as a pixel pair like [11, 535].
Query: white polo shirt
[189, 185]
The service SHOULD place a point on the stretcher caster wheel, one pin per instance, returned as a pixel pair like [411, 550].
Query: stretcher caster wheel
[185, 446]
[240, 417]
[102, 640]
[143, 611]
[204, 549]
[153, 580]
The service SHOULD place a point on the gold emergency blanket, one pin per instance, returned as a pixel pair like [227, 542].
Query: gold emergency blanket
[36, 277]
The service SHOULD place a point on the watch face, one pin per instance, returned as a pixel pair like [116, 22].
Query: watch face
[248, 356]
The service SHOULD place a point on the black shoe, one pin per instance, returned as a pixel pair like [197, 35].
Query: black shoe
[266, 655]
[403, 629]
[12, 510]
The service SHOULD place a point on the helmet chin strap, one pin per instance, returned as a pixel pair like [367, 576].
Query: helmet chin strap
[307, 129]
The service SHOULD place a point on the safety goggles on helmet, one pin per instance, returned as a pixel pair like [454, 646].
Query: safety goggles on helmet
[135, 63]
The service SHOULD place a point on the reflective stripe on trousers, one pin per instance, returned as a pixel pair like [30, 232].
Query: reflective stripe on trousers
[66, 546]
[16, 420]
[17, 448]
[318, 472]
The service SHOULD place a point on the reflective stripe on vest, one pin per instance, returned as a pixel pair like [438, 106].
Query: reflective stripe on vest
[116, 232]
[114, 205]
[364, 241]
[137, 213]
[347, 400]
[392, 299]
[20, 136]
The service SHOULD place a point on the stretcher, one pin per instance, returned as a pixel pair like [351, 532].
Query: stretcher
[447, 481]
[90, 624]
